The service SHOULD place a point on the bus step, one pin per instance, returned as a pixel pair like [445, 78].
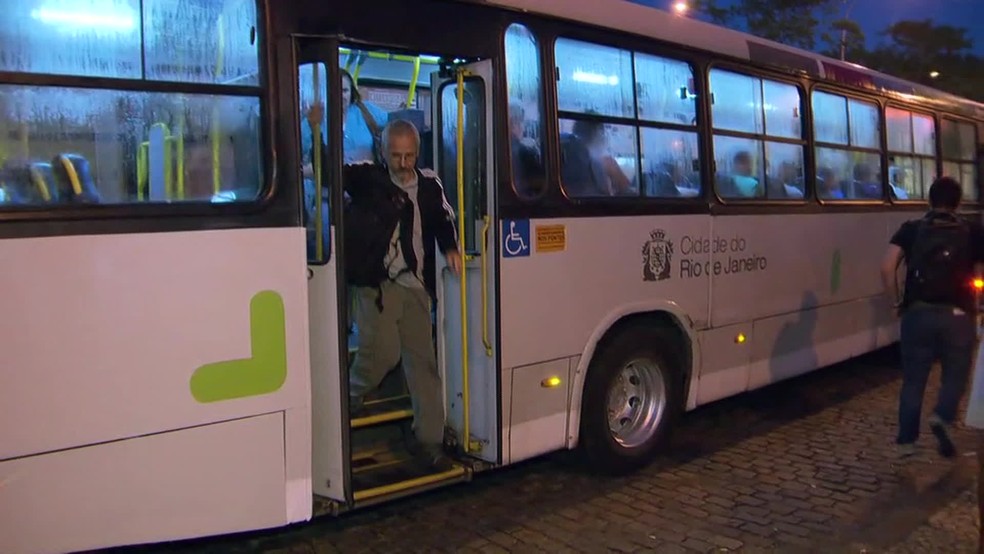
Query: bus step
[393, 480]
[384, 410]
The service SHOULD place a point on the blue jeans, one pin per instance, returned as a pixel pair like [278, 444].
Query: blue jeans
[931, 333]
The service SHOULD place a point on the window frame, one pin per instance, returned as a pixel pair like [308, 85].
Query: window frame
[763, 139]
[889, 153]
[880, 151]
[262, 91]
[635, 122]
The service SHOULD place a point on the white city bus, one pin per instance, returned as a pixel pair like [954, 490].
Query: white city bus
[657, 213]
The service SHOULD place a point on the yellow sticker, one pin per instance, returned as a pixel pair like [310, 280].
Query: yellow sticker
[551, 238]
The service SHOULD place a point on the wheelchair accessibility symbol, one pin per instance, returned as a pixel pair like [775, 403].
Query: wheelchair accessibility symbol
[515, 238]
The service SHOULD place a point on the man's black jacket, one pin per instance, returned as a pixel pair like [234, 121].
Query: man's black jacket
[375, 207]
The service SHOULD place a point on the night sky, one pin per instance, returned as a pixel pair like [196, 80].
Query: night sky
[875, 15]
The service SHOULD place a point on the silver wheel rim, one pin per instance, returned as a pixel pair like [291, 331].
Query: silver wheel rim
[636, 402]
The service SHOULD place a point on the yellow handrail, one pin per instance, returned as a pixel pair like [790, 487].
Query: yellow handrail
[485, 287]
[464, 256]
[394, 57]
[73, 176]
[413, 82]
[319, 247]
[173, 163]
[40, 184]
[179, 147]
[219, 64]
[143, 172]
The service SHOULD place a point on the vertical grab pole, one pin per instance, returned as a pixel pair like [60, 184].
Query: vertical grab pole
[319, 246]
[216, 166]
[464, 257]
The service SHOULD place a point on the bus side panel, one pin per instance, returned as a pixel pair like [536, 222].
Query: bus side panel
[104, 335]
[553, 301]
[780, 264]
[215, 479]
[561, 294]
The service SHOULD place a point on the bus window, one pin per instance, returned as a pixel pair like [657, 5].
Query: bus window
[200, 41]
[597, 158]
[662, 89]
[959, 140]
[864, 122]
[847, 152]
[108, 143]
[670, 160]
[215, 41]
[912, 152]
[525, 110]
[737, 102]
[62, 38]
[758, 137]
[594, 79]
[670, 167]
[602, 156]
[129, 146]
[739, 167]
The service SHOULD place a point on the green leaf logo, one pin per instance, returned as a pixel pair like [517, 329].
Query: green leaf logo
[264, 372]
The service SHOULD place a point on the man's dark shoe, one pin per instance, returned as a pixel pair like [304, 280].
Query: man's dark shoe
[940, 430]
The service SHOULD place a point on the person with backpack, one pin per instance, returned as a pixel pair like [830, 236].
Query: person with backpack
[395, 221]
[938, 309]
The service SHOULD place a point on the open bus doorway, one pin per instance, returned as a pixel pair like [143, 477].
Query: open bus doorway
[372, 454]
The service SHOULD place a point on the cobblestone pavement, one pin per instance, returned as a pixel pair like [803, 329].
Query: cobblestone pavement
[807, 465]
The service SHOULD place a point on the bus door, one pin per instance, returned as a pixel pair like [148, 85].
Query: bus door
[466, 315]
[329, 444]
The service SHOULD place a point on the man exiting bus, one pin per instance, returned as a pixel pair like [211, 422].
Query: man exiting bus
[938, 307]
[396, 215]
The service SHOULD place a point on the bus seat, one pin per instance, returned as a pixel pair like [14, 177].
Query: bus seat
[74, 178]
[25, 184]
[43, 181]
[659, 185]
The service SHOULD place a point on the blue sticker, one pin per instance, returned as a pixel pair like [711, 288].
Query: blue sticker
[515, 238]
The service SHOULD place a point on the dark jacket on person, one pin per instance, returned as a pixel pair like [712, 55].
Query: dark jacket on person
[375, 207]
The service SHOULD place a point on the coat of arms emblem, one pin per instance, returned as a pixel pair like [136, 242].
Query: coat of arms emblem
[657, 254]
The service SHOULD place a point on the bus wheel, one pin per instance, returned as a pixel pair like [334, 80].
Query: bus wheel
[632, 396]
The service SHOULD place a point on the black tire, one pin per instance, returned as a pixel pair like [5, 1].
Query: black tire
[648, 432]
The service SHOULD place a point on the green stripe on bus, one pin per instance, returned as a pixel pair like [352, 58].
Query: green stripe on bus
[264, 372]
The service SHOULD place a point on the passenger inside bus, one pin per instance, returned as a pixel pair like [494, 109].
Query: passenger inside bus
[787, 183]
[741, 183]
[897, 182]
[827, 185]
[864, 184]
[360, 129]
[587, 168]
[527, 165]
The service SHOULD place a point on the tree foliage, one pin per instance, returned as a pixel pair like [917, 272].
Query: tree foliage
[912, 50]
[790, 22]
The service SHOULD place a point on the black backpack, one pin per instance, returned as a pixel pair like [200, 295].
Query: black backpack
[938, 266]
